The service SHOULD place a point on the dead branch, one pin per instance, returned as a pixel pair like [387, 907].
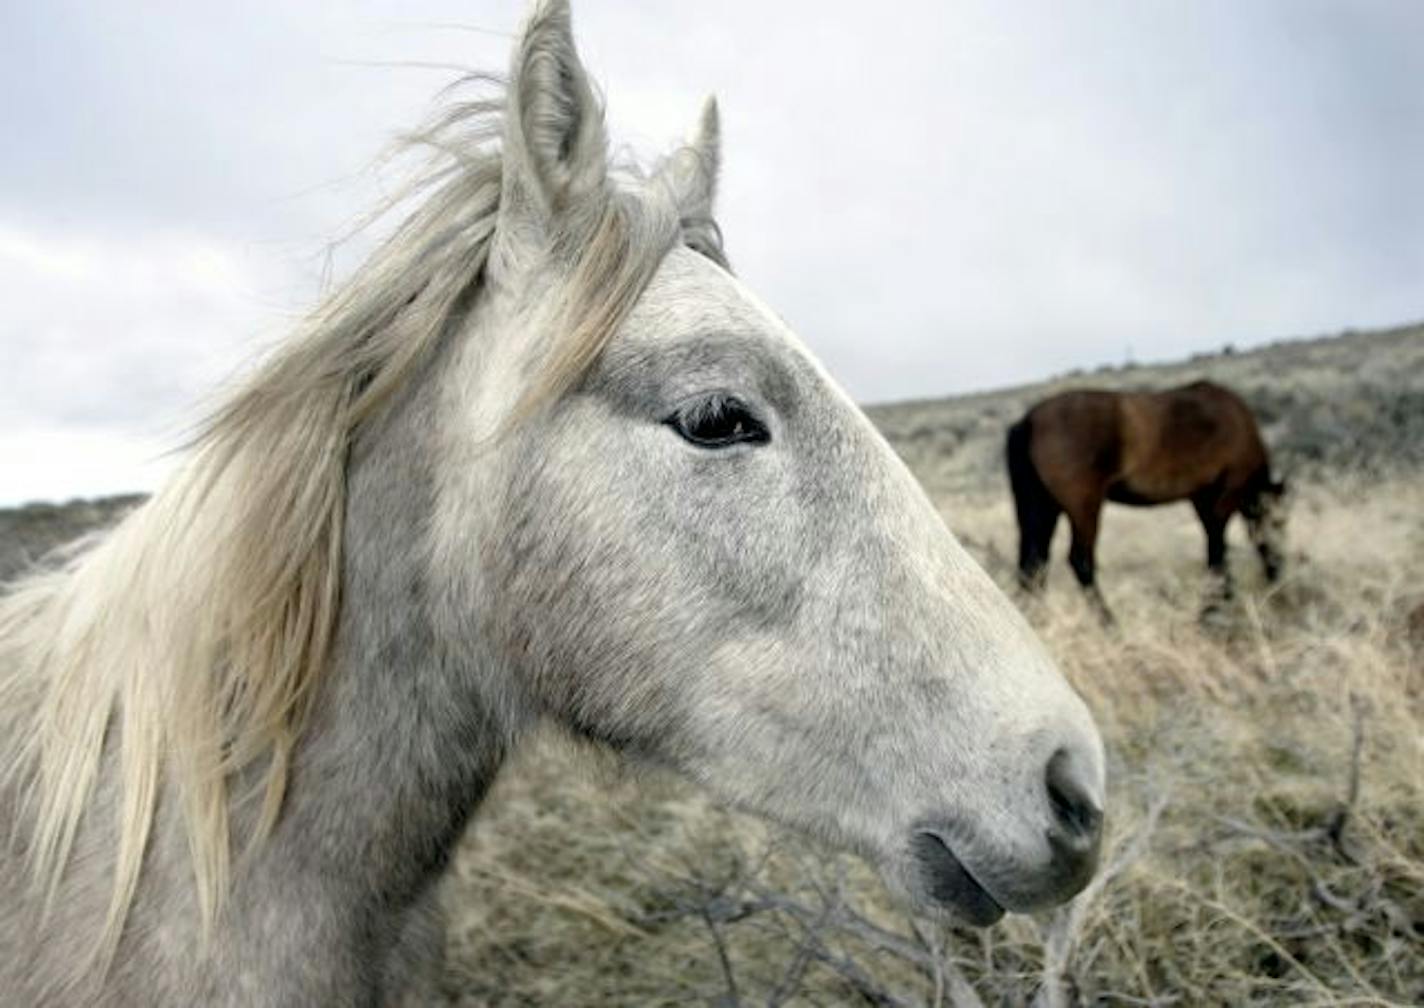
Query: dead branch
[867, 988]
[741, 897]
[930, 940]
[732, 999]
[1061, 935]
[805, 952]
[949, 981]
[1335, 830]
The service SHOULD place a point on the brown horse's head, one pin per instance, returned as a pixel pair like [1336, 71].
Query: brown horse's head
[1265, 515]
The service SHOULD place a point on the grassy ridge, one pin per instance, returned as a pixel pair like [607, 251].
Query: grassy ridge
[1347, 403]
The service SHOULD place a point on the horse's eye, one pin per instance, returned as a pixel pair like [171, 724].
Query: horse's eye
[718, 421]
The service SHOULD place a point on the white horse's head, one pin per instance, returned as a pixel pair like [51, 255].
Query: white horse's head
[543, 456]
[689, 543]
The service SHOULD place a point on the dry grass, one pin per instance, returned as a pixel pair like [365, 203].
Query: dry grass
[1267, 815]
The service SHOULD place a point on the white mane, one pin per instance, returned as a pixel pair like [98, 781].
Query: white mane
[187, 645]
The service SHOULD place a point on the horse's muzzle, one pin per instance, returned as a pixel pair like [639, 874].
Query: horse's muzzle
[981, 894]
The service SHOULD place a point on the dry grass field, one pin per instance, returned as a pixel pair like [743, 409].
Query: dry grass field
[1266, 821]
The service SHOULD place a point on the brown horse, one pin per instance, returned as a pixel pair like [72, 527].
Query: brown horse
[1200, 442]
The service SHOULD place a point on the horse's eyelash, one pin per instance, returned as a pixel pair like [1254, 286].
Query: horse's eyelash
[712, 407]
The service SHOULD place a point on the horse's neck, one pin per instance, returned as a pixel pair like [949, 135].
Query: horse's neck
[395, 761]
[413, 722]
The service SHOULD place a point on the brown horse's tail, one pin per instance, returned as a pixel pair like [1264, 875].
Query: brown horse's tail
[1036, 508]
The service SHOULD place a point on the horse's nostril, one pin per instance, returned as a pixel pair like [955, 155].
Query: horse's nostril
[1077, 818]
[1076, 827]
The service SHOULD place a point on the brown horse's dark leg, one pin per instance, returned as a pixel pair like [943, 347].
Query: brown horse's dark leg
[1084, 519]
[1213, 511]
[1214, 515]
[1035, 539]
[1036, 507]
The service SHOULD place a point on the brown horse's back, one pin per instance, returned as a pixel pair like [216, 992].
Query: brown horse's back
[1144, 447]
[1075, 444]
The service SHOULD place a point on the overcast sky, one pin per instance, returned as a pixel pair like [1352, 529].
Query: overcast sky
[939, 196]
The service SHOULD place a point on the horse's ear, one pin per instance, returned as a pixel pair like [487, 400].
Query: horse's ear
[555, 141]
[691, 175]
[700, 164]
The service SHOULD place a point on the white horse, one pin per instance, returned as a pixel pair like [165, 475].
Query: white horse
[543, 457]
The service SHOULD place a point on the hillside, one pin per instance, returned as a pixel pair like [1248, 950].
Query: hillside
[29, 533]
[1349, 402]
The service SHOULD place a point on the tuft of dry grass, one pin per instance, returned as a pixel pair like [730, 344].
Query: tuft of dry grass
[1266, 823]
